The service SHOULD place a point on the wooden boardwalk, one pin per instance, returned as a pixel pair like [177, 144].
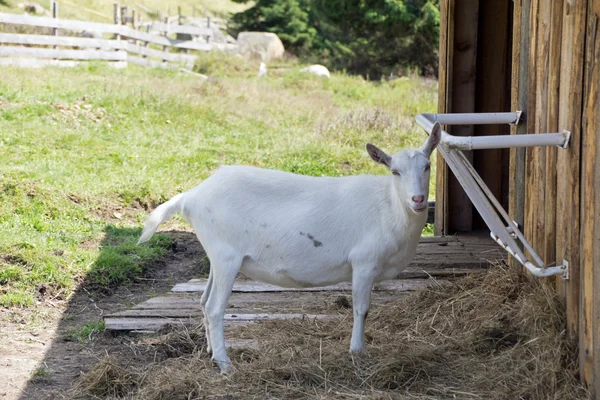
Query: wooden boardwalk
[437, 257]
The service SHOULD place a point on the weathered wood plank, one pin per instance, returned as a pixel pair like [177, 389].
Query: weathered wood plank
[144, 62]
[183, 301]
[173, 57]
[153, 324]
[589, 337]
[520, 78]
[445, 69]
[199, 285]
[98, 26]
[157, 313]
[144, 324]
[568, 168]
[48, 40]
[538, 204]
[41, 63]
[102, 44]
[593, 127]
[530, 154]
[187, 29]
[549, 246]
[122, 30]
[16, 51]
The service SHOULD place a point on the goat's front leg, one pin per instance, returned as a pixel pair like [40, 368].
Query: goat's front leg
[362, 283]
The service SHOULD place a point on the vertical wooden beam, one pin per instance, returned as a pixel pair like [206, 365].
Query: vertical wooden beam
[541, 118]
[568, 164]
[531, 184]
[589, 337]
[445, 72]
[493, 76]
[117, 18]
[166, 33]
[462, 100]
[54, 6]
[520, 79]
[549, 245]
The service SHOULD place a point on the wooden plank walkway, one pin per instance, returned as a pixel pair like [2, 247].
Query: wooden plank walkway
[437, 257]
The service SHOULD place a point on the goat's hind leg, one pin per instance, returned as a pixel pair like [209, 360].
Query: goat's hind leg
[224, 268]
[203, 301]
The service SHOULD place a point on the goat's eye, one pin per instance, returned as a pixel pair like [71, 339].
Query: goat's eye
[427, 168]
[395, 172]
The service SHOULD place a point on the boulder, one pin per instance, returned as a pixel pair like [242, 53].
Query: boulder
[264, 45]
[318, 70]
[32, 8]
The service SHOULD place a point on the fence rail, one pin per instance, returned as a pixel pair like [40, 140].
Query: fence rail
[128, 44]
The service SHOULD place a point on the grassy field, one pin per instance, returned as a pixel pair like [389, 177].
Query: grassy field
[102, 10]
[87, 152]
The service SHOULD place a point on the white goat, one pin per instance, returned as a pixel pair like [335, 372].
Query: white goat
[301, 231]
[318, 70]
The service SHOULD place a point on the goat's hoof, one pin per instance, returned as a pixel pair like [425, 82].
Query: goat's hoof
[358, 350]
[224, 366]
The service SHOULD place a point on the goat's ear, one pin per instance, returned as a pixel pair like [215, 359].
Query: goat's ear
[379, 155]
[433, 140]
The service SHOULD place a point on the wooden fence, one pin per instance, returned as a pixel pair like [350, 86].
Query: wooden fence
[52, 41]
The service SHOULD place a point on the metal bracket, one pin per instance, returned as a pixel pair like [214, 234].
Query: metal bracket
[567, 138]
[565, 266]
[494, 215]
[518, 120]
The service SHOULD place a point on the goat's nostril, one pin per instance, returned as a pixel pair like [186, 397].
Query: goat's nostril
[418, 199]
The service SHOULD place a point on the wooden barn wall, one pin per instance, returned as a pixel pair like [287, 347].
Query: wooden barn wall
[556, 84]
[551, 51]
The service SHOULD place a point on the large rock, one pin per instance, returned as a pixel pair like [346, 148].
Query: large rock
[264, 45]
[32, 8]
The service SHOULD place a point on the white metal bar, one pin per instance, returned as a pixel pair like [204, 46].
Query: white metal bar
[490, 142]
[505, 141]
[501, 118]
[500, 209]
[536, 271]
[478, 192]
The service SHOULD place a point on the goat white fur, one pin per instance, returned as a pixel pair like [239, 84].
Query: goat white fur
[301, 231]
[318, 70]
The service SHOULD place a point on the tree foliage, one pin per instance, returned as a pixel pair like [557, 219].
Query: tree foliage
[369, 37]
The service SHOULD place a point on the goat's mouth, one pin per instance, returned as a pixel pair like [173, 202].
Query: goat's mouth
[419, 209]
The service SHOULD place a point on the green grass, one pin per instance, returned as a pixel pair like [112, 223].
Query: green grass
[87, 331]
[87, 152]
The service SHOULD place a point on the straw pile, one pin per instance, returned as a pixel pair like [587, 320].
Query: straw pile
[497, 335]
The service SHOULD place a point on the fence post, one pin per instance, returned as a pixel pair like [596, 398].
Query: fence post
[146, 43]
[54, 6]
[117, 18]
[166, 33]
[124, 17]
[208, 26]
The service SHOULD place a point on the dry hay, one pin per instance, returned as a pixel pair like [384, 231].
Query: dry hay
[498, 335]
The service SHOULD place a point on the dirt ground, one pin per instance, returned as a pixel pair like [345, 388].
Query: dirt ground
[39, 358]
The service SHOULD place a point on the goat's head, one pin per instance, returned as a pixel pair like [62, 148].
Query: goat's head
[410, 170]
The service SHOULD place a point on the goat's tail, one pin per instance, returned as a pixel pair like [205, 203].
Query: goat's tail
[160, 215]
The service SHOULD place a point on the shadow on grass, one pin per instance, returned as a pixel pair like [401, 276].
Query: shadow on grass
[123, 274]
